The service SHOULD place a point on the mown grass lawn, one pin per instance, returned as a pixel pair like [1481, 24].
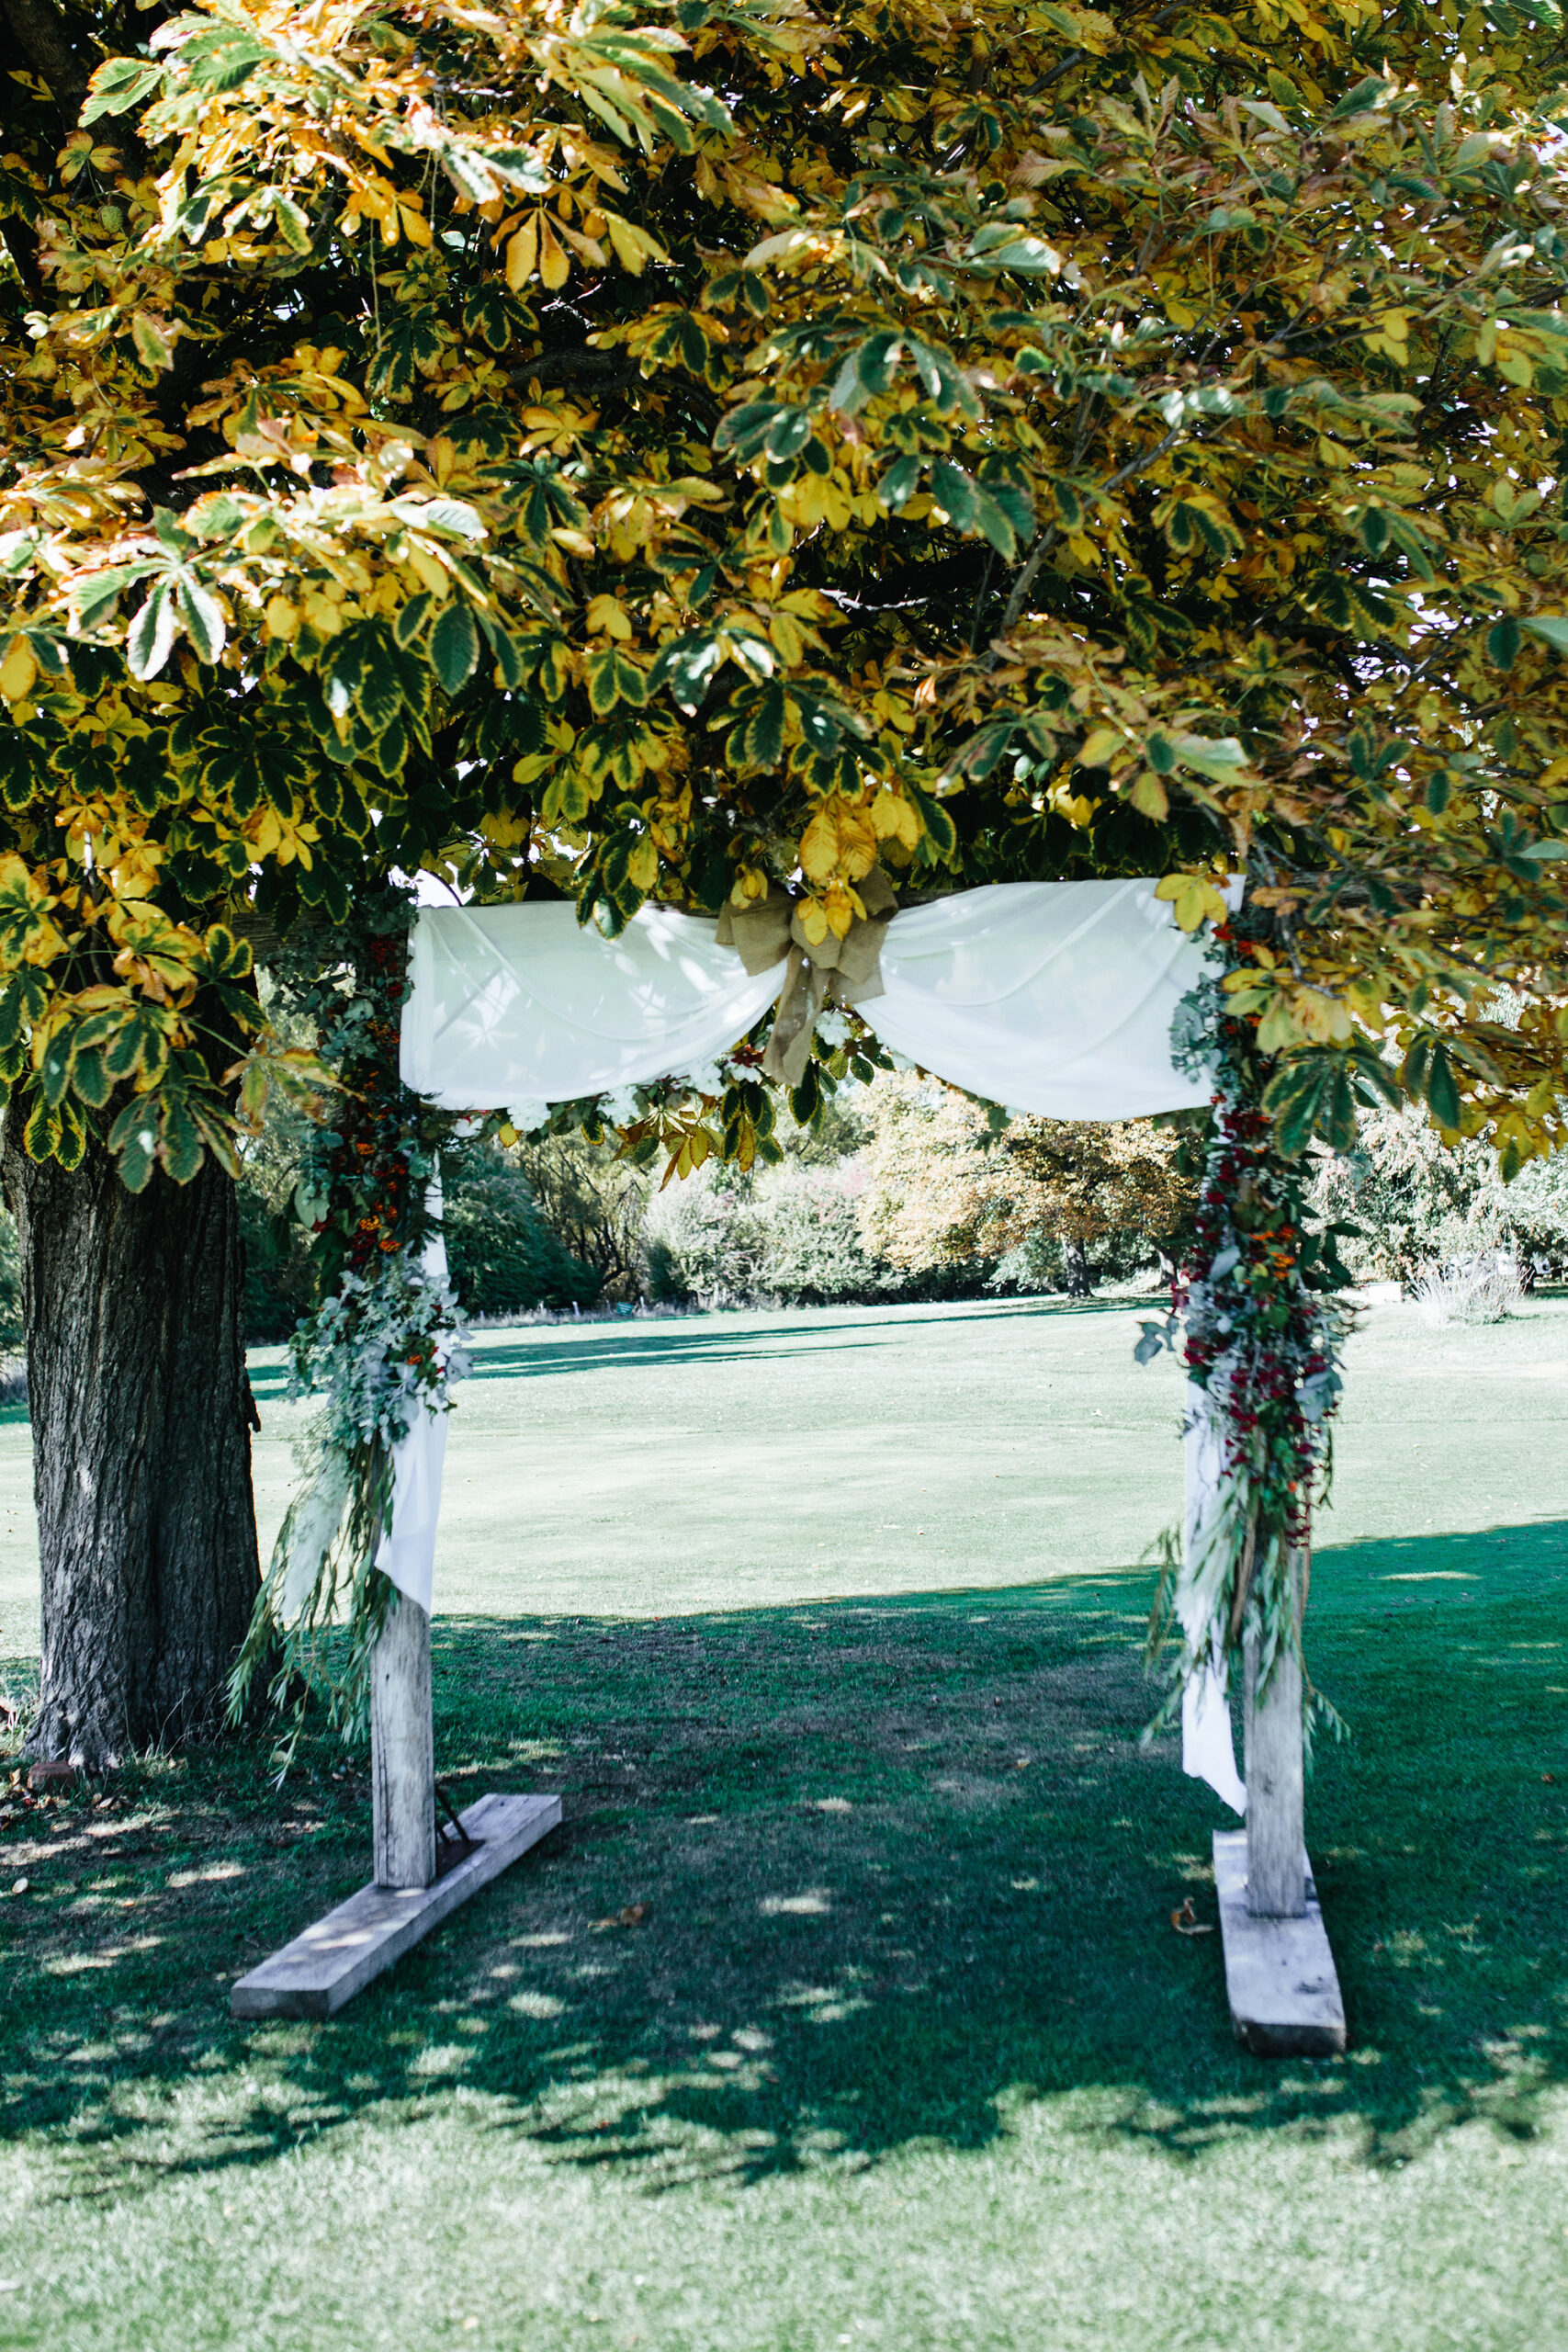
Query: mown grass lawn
[827, 1627]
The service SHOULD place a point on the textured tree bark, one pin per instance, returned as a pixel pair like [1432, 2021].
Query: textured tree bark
[142, 1416]
[1076, 1271]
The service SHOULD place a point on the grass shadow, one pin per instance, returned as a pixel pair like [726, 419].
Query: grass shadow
[834, 1880]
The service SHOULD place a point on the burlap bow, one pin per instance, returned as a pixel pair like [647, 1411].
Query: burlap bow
[834, 971]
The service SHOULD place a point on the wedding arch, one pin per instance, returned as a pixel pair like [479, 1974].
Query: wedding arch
[1053, 998]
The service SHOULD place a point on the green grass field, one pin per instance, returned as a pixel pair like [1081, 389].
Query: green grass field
[827, 1626]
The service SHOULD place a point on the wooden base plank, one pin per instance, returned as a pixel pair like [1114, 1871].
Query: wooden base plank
[315, 1975]
[1280, 1973]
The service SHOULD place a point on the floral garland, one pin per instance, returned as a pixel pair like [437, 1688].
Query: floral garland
[1261, 1320]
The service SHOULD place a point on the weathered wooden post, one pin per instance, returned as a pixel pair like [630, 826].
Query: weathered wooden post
[1279, 1973]
[1275, 1769]
[419, 1878]
[403, 1749]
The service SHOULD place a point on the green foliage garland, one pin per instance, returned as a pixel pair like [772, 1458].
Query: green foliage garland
[1262, 1321]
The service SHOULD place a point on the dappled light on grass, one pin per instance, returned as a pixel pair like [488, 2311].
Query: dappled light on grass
[882, 1926]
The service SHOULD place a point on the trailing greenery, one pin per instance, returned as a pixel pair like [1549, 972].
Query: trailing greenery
[1261, 1321]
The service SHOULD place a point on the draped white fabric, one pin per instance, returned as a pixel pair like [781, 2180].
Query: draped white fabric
[407, 1550]
[525, 1004]
[1052, 997]
[1208, 1747]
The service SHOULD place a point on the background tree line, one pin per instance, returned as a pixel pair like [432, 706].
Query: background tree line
[907, 1191]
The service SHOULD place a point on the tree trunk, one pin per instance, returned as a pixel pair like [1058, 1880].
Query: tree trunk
[1078, 1279]
[142, 1416]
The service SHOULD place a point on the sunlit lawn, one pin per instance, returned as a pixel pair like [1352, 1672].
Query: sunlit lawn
[827, 1627]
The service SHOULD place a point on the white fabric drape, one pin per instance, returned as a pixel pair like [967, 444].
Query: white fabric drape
[1208, 1747]
[407, 1550]
[1050, 997]
[525, 1004]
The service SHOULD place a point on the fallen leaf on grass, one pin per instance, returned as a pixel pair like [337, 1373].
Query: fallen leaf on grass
[20, 1886]
[1187, 1923]
[632, 1915]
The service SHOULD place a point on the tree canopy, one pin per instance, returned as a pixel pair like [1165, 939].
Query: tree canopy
[675, 450]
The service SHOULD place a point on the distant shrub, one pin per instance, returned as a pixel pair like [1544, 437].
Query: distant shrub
[1480, 1289]
[788, 1236]
[280, 1275]
[1036, 1204]
[1422, 1206]
[503, 1256]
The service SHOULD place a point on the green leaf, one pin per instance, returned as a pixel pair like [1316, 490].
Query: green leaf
[1551, 627]
[119, 84]
[90, 1077]
[1345, 603]
[614, 678]
[223, 58]
[54, 1074]
[154, 347]
[450, 518]
[1442, 1089]
[293, 222]
[1300, 1096]
[203, 617]
[182, 1150]
[455, 646]
[759, 742]
[805, 1099]
[71, 1142]
[939, 829]
[996, 525]
[133, 1138]
[41, 1132]
[1503, 641]
[1363, 98]
[152, 635]
[409, 626]
[956, 493]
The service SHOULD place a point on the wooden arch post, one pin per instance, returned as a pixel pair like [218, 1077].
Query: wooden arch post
[402, 1750]
[1280, 1979]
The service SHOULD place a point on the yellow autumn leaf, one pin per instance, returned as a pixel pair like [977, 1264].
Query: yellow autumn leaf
[522, 254]
[554, 266]
[892, 818]
[812, 916]
[18, 672]
[607, 615]
[1100, 746]
[1194, 898]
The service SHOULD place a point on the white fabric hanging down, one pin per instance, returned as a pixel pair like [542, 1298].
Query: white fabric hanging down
[1208, 1747]
[407, 1550]
[1050, 997]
